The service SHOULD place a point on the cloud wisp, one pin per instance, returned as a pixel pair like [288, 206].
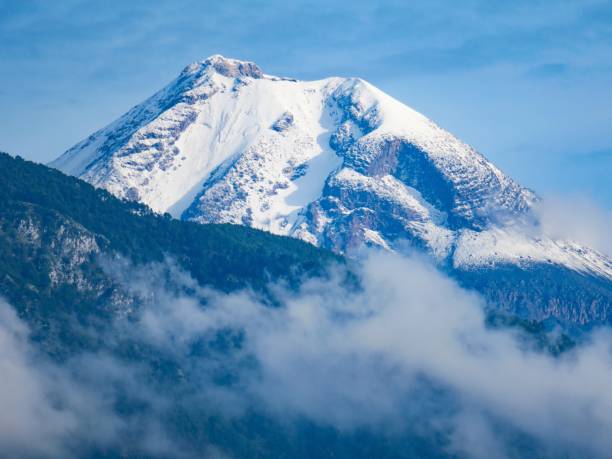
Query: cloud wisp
[576, 218]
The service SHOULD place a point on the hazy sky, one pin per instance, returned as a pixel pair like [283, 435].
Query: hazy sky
[527, 83]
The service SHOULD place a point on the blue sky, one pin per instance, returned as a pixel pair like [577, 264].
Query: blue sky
[527, 83]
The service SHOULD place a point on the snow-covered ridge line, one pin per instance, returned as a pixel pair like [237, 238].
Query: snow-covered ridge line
[511, 245]
[335, 162]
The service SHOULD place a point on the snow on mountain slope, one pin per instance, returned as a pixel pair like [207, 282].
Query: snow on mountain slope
[512, 245]
[335, 162]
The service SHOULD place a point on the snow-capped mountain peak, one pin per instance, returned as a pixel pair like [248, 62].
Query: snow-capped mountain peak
[335, 162]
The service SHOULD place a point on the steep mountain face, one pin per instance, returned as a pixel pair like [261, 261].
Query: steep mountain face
[334, 162]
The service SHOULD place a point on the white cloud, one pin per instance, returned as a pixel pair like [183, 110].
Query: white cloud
[42, 406]
[407, 352]
[375, 358]
[578, 219]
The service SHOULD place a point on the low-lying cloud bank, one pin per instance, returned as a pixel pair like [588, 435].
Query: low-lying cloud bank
[407, 352]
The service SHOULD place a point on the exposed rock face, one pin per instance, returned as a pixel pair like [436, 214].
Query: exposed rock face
[67, 246]
[233, 68]
[283, 123]
[334, 162]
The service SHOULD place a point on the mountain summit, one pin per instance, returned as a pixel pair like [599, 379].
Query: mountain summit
[226, 143]
[335, 162]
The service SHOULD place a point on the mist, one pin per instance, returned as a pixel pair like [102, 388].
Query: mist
[576, 218]
[43, 405]
[405, 353]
